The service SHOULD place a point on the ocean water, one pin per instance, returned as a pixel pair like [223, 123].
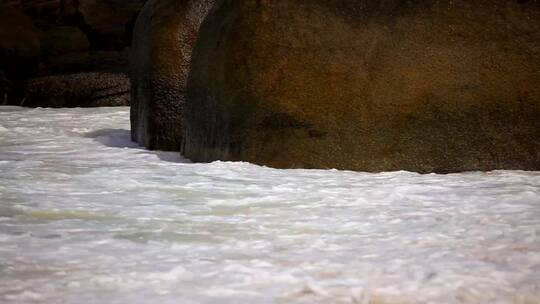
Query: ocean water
[86, 216]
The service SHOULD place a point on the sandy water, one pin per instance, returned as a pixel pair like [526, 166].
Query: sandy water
[86, 216]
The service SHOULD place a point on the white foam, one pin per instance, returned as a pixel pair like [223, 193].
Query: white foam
[86, 216]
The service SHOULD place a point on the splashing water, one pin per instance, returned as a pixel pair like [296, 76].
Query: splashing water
[86, 216]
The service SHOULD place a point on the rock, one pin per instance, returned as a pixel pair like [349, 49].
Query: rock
[426, 86]
[62, 40]
[52, 40]
[44, 13]
[106, 23]
[79, 90]
[4, 88]
[164, 35]
[19, 44]
[110, 20]
[94, 61]
[19, 53]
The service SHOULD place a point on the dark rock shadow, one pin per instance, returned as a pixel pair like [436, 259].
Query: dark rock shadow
[121, 138]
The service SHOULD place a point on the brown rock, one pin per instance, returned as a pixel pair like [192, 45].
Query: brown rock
[53, 40]
[19, 43]
[78, 90]
[109, 20]
[61, 40]
[44, 13]
[428, 86]
[19, 53]
[106, 23]
[164, 36]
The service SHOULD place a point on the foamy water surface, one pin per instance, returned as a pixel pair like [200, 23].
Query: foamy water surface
[86, 216]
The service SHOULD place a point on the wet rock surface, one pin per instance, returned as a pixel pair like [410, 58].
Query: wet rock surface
[164, 36]
[429, 86]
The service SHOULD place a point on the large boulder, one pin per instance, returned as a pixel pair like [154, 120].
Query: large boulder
[427, 86]
[164, 36]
